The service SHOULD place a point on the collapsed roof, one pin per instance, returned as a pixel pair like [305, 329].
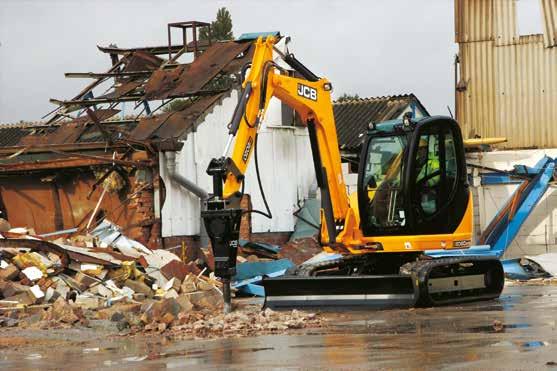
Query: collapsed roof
[147, 79]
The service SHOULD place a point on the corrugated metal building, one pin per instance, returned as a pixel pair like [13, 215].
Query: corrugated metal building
[507, 87]
[507, 84]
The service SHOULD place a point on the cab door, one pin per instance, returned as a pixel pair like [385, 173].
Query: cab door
[436, 187]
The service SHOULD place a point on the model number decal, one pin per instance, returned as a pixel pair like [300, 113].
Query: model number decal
[307, 92]
[462, 243]
[247, 149]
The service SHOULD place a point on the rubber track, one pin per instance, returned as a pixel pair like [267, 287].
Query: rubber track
[309, 270]
[421, 269]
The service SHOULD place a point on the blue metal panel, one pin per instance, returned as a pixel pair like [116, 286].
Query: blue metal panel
[514, 270]
[256, 35]
[253, 289]
[498, 178]
[250, 286]
[524, 210]
[546, 166]
[253, 269]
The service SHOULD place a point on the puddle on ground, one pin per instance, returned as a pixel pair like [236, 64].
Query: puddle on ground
[444, 337]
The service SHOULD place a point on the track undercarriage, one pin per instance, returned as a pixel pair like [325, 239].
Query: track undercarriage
[389, 280]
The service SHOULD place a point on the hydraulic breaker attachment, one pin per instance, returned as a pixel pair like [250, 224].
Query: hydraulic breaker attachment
[223, 228]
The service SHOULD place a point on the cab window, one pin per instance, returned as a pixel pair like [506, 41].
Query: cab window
[436, 170]
[382, 185]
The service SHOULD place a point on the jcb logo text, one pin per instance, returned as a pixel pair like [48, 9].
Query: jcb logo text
[307, 92]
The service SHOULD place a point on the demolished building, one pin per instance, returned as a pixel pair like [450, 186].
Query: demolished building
[113, 151]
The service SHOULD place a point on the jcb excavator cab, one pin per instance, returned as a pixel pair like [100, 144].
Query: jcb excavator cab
[412, 178]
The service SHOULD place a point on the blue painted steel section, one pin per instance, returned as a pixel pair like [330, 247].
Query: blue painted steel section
[498, 178]
[547, 166]
[252, 289]
[250, 286]
[248, 270]
[256, 35]
[514, 270]
[524, 209]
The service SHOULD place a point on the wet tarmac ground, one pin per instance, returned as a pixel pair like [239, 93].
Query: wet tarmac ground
[515, 332]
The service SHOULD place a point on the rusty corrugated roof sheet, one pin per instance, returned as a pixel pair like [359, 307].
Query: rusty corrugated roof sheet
[12, 134]
[139, 76]
[352, 117]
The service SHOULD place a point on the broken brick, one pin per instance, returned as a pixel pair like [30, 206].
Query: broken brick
[9, 273]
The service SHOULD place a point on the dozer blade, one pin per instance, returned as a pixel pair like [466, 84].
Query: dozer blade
[423, 283]
[339, 291]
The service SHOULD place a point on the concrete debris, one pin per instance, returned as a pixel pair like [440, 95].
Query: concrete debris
[32, 273]
[9, 273]
[107, 276]
[242, 323]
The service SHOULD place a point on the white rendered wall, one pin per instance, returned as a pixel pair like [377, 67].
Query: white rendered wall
[538, 235]
[285, 163]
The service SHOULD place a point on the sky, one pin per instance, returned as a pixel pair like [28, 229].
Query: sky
[369, 48]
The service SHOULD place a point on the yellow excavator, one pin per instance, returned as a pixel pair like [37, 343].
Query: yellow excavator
[412, 197]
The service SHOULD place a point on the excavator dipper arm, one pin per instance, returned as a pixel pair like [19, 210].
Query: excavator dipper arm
[311, 98]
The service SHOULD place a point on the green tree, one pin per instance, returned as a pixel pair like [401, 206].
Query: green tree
[221, 28]
[347, 97]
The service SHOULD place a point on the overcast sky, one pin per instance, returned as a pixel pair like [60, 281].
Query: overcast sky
[372, 48]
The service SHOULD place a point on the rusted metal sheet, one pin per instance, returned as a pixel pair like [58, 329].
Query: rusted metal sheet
[183, 121]
[549, 16]
[148, 125]
[72, 162]
[155, 50]
[67, 132]
[141, 61]
[101, 114]
[198, 74]
[138, 61]
[163, 82]
[236, 64]
[173, 124]
[48, 203]
[473, 20]
[127, 87]
[69, 147]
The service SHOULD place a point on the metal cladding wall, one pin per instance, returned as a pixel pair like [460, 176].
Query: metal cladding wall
[549, 14]
[508, 83]
[285, 164]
